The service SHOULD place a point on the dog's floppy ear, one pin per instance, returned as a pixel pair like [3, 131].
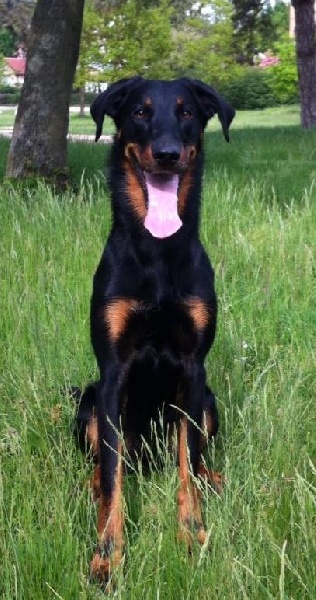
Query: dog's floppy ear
[110, 101]
[212, 103]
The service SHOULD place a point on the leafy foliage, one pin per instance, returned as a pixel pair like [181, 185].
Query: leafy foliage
[91, 42]
[159, 38]
[204, 46]
[254, 88]
[139, 41]
[250, 90]
[132, 39]
[245, 19]
[7, 41]
[283, 79]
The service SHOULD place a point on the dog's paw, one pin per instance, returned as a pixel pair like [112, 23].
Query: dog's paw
[191, 531]
[104, 563]
[214, 479]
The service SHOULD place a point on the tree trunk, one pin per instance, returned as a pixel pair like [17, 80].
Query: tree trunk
[305, 35]
[39, 143]
[82, 97]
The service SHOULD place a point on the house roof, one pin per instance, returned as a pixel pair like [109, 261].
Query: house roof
[17, 65]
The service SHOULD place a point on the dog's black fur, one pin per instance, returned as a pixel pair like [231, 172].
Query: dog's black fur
[153, 307]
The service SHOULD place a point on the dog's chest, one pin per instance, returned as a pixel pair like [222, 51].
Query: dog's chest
[173, 324]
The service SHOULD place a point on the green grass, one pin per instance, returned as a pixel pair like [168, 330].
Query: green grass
[269, 117]
[259, 226]
[7, 116]
[281, 116]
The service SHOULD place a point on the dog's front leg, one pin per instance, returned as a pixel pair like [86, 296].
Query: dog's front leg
[110, 520]
[189, 505]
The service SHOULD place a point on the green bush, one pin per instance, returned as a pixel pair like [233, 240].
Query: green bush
[7, 89]
[8, 41]
[282, 78]
[250, 90]
[9, 98]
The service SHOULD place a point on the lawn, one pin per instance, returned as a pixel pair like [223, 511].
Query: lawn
[259, 226]
[269, 117]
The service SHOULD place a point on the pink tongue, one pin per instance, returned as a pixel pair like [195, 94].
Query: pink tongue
[162, 217]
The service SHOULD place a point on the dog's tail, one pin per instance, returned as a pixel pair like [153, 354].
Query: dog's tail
[86, 402]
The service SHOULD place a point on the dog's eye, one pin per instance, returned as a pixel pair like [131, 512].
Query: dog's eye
[186, 114]
[139, 113]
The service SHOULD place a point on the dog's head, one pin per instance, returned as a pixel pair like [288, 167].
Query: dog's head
[186, 101]
[160, 126]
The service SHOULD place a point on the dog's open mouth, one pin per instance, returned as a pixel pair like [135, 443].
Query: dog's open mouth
[162, 219]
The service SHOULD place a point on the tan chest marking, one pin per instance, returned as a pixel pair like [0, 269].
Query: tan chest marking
[117, 314]
[198, 312]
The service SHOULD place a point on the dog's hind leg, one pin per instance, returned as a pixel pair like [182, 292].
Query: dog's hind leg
[210, 416]
[210, 428]
[86, 430]
[85, 419]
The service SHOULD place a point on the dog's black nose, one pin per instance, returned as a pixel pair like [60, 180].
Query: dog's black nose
[166, 153]
[168, 157]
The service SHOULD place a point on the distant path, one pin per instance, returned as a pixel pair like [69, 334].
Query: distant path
[6, 132]
[5, 107]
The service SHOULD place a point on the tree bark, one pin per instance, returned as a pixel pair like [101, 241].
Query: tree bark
[305, 36]
[39, 143]
[82, 97]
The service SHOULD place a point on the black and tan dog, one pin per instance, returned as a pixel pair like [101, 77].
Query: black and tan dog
[153, 307]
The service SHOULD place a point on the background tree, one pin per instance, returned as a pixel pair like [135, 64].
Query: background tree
[39, 142]
[91, 52]
[280, 17]
[305, 37]
[137, 39]
[204, 45]
[272, 24]
[1, 67]
[15, 18]
[182, 10]
[245, 21]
